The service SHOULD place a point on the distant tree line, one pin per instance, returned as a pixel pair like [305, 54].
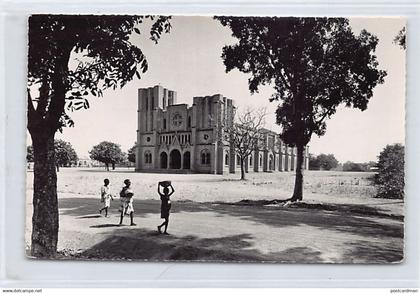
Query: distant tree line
[65, 155]
[350, 166]
[389, 169]
[105, 152]
[322, 162]
[329, 162]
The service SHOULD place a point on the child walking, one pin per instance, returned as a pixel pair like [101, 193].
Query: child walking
[106, 197]
[126, 196]
[165, 206]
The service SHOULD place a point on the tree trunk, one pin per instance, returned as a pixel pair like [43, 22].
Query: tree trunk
[242, 169]
[58, 168]
[106, 166]
[298, 191]
[113, 166]
[45, 204]
[42, 125]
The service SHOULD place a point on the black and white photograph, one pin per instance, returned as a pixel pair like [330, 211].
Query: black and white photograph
[224, 139]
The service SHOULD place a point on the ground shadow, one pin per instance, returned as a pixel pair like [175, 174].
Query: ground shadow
[104, 226]
[142, 244]
[90, 217]
[367, 210]
[334, 220]
[105, 171]
[362, 251]
[366, 226]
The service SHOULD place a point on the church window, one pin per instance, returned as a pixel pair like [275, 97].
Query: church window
[164, 123]
[177, 119]
[205, 157]
[227, 159]
[189, 121]
[147, 157]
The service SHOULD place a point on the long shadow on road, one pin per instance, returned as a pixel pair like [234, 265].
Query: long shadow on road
[332, 220]
[142, 244]
[384, 237]
[276, 217]
[377, 253]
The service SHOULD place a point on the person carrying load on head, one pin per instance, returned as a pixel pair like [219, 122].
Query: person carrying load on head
[165, 206]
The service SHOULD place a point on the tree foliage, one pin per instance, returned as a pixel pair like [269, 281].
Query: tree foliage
[109, 60]
[65, 155]
[246, 133]
[108, 153]
[400, 38]
[131, 154]
[29, 153]
[390, 176]
[323, 162]
[313, 64]
[350, 166]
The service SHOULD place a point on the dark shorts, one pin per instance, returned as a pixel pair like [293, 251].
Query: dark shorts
[164, 211]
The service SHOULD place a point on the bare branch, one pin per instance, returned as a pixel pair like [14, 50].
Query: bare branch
[245, 134]
[31, 108]
[323, 117]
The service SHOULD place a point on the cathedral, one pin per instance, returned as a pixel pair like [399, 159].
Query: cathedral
[176, 138]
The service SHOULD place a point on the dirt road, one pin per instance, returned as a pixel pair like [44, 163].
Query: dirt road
[219, 232]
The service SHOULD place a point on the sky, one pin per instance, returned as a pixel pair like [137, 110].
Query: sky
[187, 60]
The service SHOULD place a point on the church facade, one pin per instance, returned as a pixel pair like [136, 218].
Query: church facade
[175, 137]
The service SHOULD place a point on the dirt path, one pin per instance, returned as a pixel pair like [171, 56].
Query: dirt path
[217, 232]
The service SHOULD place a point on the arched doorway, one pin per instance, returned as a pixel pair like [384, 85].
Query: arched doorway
[163, 160]
[187, 159]
[175, 160]
[270, 164]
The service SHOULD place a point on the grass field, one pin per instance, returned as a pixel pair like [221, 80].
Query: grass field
[207, 187]
[319, 186]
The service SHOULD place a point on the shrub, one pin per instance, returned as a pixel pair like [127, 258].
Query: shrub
[390, 177]
[354, 167]
[322, 162]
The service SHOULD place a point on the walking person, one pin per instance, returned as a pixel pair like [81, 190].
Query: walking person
[106, 197]
[165, 205]
[126, 196]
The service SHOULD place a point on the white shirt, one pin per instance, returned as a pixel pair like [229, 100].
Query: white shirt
[105, 191]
